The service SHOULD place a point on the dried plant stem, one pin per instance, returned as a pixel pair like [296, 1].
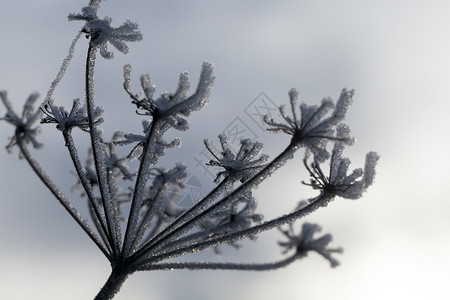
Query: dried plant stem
[100, 218]
[113, 284]
[59, 195]
[97, 151]
[221, 266]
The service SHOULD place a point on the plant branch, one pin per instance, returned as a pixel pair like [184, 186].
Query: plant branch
[321, 201]
[191, 212]
[221, 266]
[87, 188]
[249, 184]
[138, 194]
[60, 196]
[97, 151]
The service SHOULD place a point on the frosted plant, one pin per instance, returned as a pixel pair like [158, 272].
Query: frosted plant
[133, 218]
[304, 242]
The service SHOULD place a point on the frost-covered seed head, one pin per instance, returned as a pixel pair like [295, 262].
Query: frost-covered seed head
[305, 242]
[77, 117]
[101, 32]
[313, 129]
[24, 123]
[237, 166]
[338, 182]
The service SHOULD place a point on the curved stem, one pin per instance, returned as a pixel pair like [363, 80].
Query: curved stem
[321, 201]
[60, 197]
[221, 266]
[63, 67]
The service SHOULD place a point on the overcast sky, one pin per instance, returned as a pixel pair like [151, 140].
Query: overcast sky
[395, 54]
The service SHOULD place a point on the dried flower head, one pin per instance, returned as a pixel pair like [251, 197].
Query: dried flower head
[338, 182]
[305, 242]
[50, 113]
[240, 166]
[313, 130]
[24, 133]
[101, 32]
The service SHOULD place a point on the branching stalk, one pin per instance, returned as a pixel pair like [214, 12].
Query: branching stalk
[104, 233]
[97, 151]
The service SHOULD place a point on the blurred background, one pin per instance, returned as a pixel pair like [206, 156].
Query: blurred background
[395, 54]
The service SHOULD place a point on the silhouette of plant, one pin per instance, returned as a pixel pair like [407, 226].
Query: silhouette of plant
[154, 230]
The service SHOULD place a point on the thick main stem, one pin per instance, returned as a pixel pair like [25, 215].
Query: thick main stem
[113, 284]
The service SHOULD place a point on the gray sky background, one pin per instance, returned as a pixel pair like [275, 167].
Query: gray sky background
[395, 54]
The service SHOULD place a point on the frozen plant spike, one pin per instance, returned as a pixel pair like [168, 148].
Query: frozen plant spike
[101, 32]
[305, 242]
[240, 166]
[170, 107]
[24, 123]
[338, 182]
[313, 129]
[77, 117]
